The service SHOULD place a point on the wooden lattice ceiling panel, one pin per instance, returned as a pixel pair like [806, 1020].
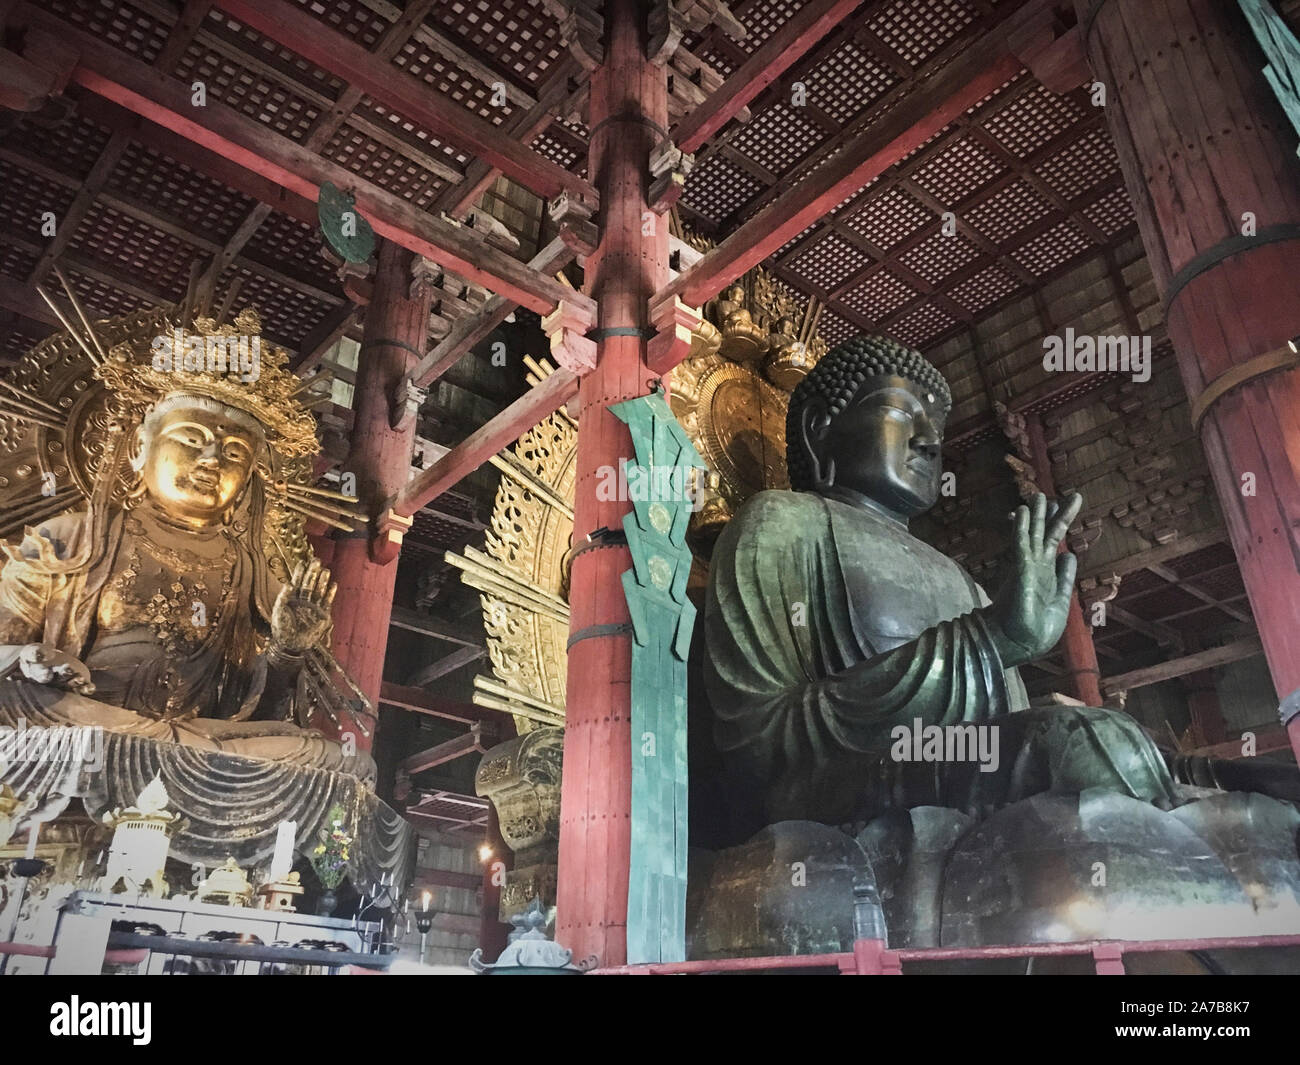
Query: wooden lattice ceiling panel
[226, 36]
[294, 247]
[149, 256]
[985, 290]
[71, 147]
[848, 81]
[889, 218]
[453, 84]
[1008, 211]
[287, 314]
[272, 101]
[129, 27]
[940, 256]
[27, 197]
[517, 36]
[917, 29]
[104, 297]
[207, 206]
[384, 166]
[778, 139]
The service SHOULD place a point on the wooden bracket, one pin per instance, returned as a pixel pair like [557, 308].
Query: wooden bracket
[582, 29]
[669, 166]
[573, 216]
[1053, 53]
[675, 323]
[567, 326]
[405, 403]
[667, 28]
[42, 70]
[386, 538]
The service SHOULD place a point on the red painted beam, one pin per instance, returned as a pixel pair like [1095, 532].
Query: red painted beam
[781, 51]
[423, 702]
[486, 441]
[962, 84]
[256, 147]
[210, 164]
[316, 42]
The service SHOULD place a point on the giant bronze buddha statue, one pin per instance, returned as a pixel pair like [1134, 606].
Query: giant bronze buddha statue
[834, 639]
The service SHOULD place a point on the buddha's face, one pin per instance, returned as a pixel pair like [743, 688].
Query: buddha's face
[885, 444]
[196, 459]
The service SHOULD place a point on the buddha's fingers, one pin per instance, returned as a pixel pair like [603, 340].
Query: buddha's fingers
[329, 596]
[1064, 519]
[322, 585]
[1021, 534]
[1067, 566]
[1037, 521]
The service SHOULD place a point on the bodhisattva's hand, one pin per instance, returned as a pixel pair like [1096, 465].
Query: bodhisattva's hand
[301, 616]
[45, 664]
[1028, 614]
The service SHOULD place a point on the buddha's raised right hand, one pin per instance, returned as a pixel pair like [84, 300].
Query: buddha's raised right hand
[1028, 613]
[44, 664]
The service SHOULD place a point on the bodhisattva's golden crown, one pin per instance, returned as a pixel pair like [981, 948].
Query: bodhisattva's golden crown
[226, 363]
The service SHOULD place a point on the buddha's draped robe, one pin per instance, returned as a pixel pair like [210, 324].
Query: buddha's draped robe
[827, 625]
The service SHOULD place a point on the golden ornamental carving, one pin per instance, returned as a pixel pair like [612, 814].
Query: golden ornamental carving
[755, 342]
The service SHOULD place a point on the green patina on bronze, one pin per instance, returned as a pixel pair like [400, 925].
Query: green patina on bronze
[662, 619]
[829, 625]
[1283, 51]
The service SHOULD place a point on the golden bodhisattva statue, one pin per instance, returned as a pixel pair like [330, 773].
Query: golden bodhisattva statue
[153, 607]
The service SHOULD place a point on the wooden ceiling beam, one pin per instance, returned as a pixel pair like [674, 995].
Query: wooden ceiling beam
[255, 147]
[977, 72]
[1180, 667]
[420, 701]
[489, 439]
[525, 128]
[472, 742]
[313, 39]
[813, 21]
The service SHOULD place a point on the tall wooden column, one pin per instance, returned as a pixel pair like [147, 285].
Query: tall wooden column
[365, 563]
[629, 106]
[1209, 160]
[1076, 642]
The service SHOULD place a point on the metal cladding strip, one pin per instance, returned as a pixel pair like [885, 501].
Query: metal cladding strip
[662, 619]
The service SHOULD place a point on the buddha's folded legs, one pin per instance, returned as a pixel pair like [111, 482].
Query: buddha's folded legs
[1061, 749]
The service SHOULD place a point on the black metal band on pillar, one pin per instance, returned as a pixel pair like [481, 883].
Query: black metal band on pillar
[643, 332]
[1225, 249]
[640, 120]
[592, 631]
[389, 342]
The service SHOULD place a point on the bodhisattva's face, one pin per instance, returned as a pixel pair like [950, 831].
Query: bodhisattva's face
[196, 462]
[886, 445]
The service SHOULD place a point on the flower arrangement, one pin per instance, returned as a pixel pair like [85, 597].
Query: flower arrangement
[330, 856]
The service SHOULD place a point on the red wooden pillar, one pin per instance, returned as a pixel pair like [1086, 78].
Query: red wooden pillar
[629, 106]
[1076, 642]
[396, 329]
[1210, 163]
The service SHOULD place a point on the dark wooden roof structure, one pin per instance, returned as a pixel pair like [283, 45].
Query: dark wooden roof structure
[873, 120]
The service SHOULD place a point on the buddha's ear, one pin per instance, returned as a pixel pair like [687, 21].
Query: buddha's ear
[814, 424]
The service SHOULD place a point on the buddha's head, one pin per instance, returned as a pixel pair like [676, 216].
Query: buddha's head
[195, 457]
[868, 422]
